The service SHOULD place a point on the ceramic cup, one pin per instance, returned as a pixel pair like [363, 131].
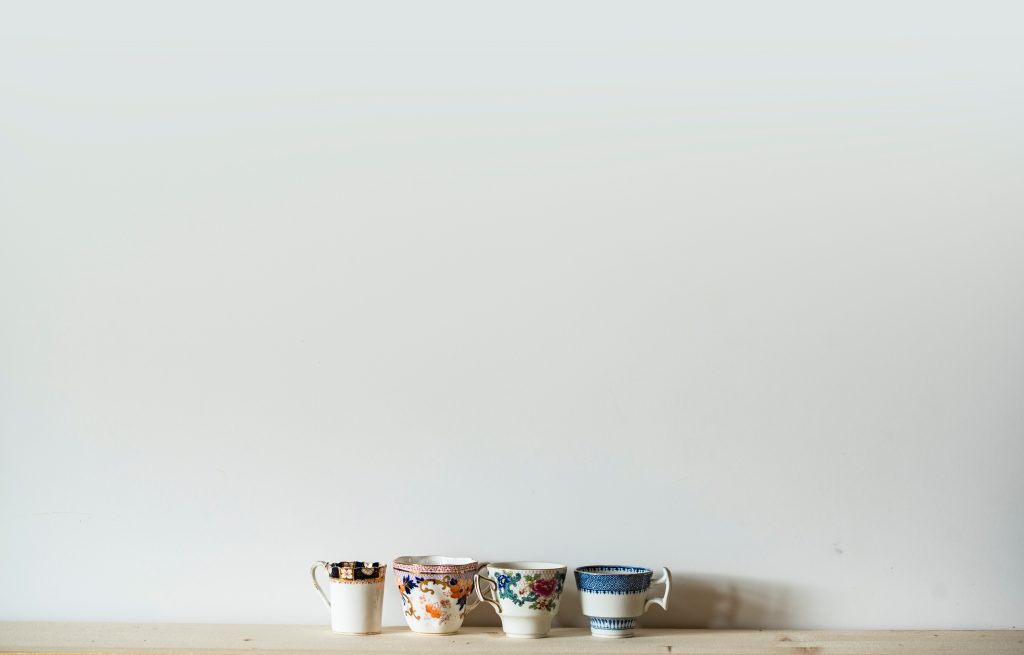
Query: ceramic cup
[526, 595]
[612, 597]
[437, 591]
[357, 595]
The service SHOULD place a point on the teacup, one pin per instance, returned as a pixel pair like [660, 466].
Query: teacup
[357, 595]
[525, 594]
[436, 591]
[613, 597]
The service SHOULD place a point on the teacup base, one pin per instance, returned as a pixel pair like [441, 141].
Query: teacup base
[448, 632]
[611, 634]
[526, 627]
[609, 628]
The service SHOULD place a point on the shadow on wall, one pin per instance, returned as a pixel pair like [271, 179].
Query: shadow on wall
[696, 602]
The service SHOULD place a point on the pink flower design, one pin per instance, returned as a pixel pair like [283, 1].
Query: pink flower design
[545, 587]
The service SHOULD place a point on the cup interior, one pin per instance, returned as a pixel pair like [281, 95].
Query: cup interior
[433, 560]
[436, 565]
[526, 566]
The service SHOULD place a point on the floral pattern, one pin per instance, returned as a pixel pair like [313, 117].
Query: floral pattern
[537, 591]
[438, 597]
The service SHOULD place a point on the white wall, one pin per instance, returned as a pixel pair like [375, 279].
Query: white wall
[735, 288]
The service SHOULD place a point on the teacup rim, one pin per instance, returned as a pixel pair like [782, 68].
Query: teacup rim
[355, 564]
[526, 565]
[636, 570]
[449, 565]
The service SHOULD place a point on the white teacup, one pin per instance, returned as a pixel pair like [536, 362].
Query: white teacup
[437, 591]
[526, 595]
[613, 597]
[357, 595]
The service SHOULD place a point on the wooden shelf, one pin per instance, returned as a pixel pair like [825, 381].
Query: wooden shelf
[195, 639]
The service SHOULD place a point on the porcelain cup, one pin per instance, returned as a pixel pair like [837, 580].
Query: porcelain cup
[526, 595]
[437, 591]
[613, 597]
[357, 595]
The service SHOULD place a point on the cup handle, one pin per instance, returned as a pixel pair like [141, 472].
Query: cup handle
[493, 600]
[316, 585]
[473, 601]
[666, 578]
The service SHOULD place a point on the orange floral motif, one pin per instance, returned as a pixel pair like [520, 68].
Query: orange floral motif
[436, 596]
[461, 588]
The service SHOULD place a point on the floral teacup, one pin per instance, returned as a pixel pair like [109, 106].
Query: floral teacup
[436, 591]
[526, 595]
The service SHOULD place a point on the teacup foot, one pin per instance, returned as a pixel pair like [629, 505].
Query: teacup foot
[535, 626]
[612, 628]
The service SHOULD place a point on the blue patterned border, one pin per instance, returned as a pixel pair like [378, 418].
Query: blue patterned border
[598, 623]
[613, 579]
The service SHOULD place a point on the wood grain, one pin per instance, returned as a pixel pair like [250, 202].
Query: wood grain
[197, 639]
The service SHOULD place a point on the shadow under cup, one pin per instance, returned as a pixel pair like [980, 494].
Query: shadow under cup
[526, 595]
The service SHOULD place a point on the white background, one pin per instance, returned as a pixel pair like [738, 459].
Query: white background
[735, 288]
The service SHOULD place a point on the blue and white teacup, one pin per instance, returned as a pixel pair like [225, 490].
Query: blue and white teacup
[613, 597]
